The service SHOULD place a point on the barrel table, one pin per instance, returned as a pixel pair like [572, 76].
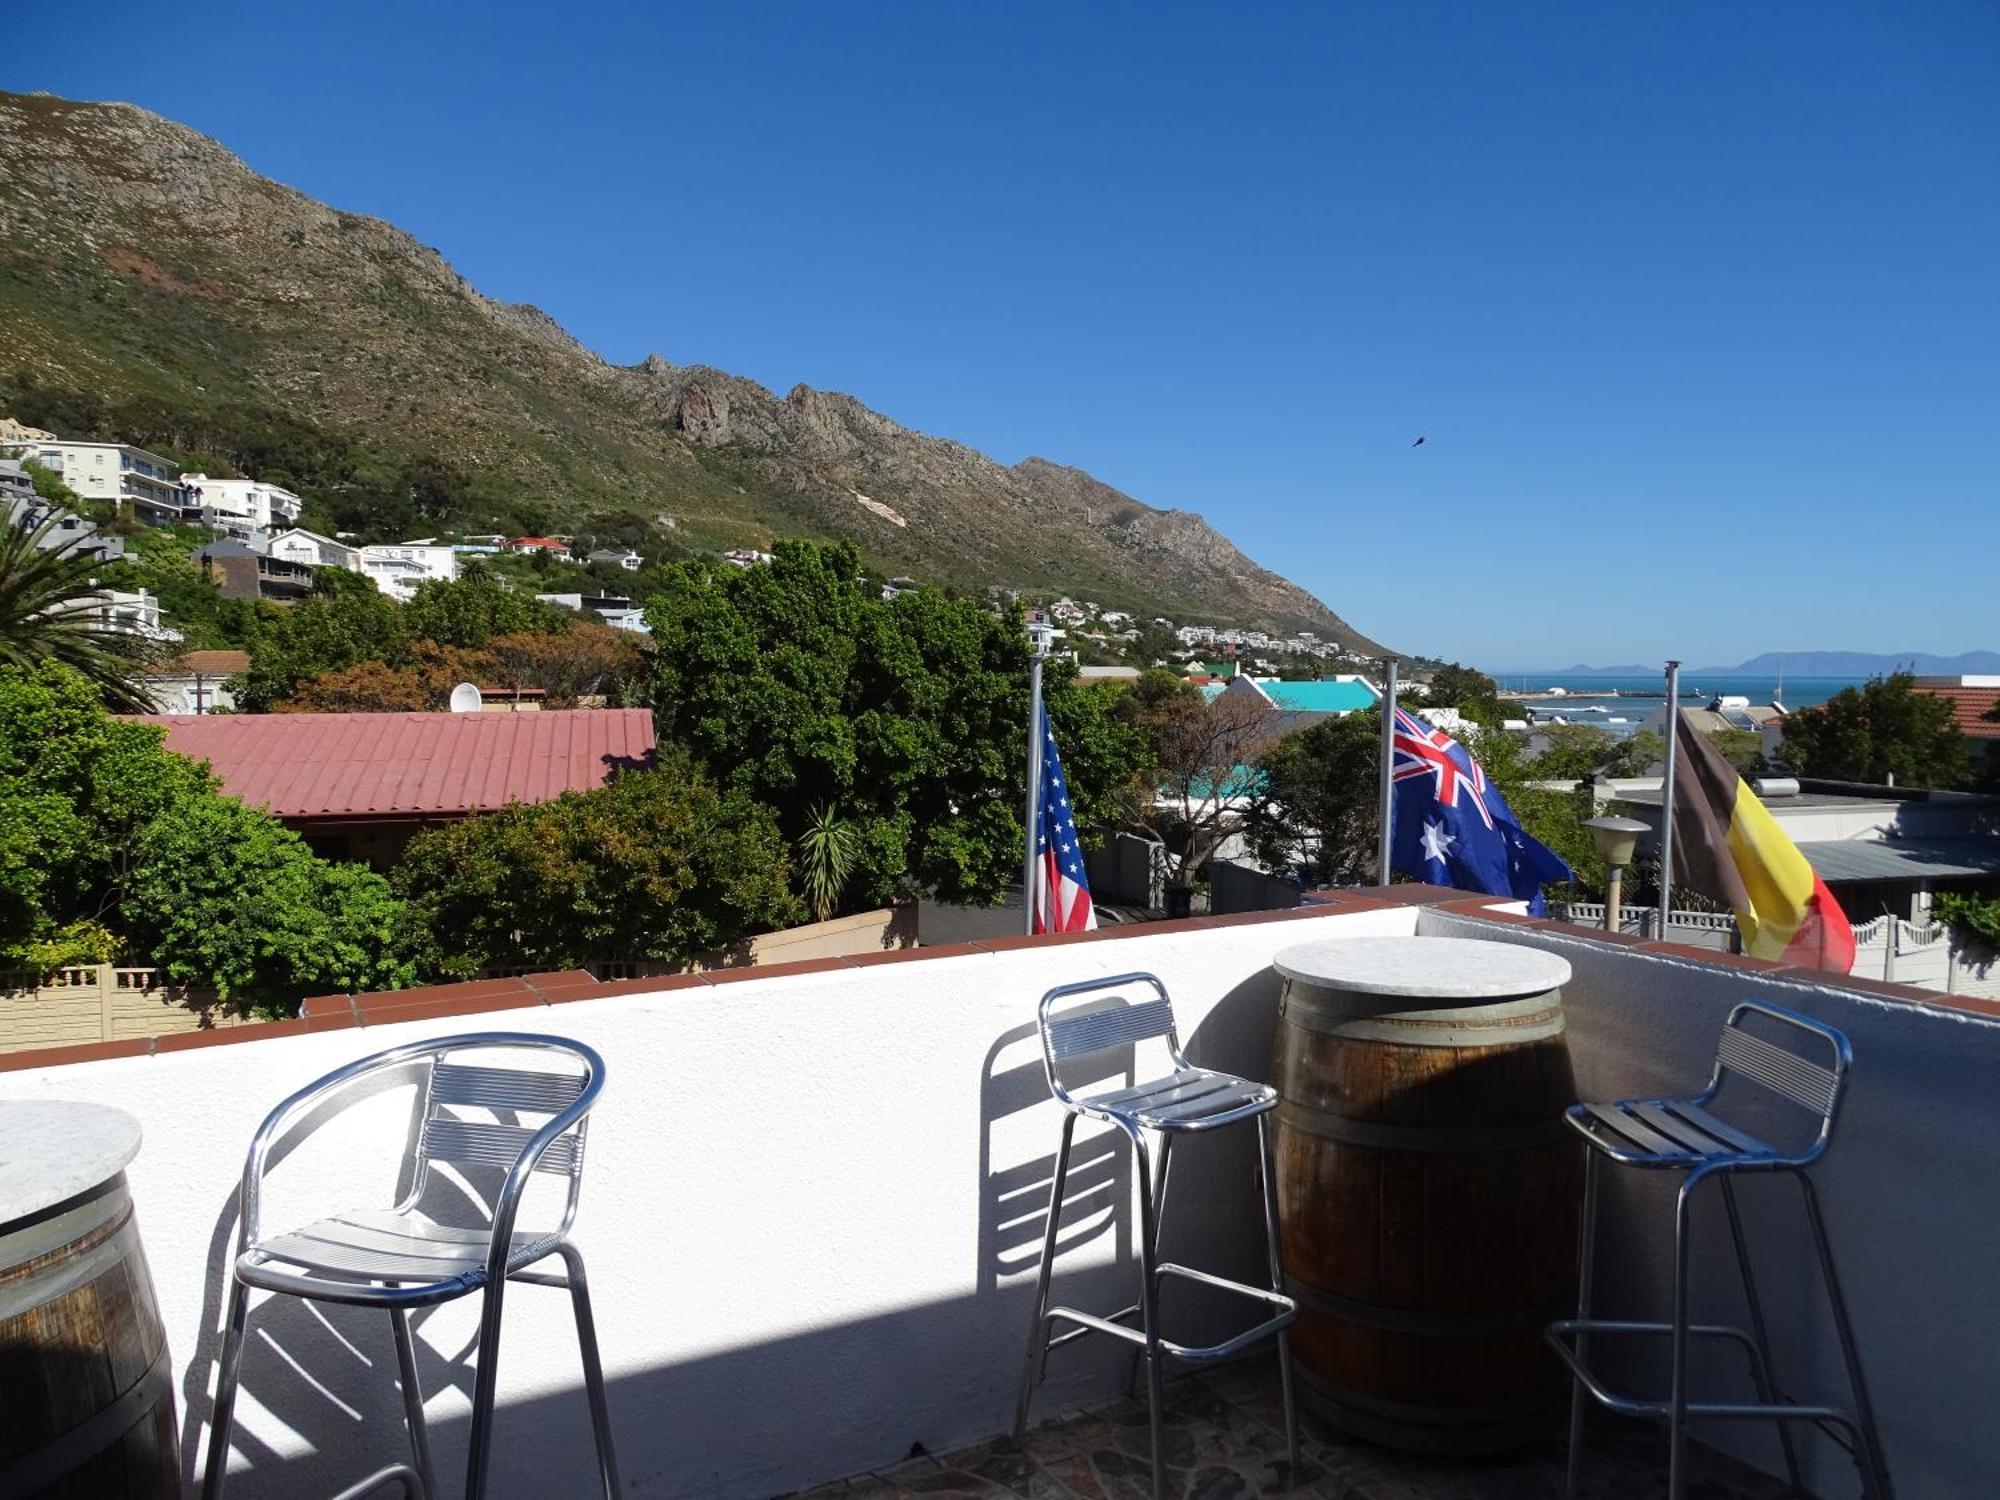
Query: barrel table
[1428, 1191]
[86, 1392]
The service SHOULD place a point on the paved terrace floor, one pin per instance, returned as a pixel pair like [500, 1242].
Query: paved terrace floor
[1226, 1441]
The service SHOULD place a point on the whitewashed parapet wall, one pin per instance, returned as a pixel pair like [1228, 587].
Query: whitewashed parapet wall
[811, 1212]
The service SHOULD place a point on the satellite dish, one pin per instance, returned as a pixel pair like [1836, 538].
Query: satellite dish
[465, 699]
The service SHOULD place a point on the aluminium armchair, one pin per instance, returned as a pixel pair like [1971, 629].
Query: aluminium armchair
[397, 1259]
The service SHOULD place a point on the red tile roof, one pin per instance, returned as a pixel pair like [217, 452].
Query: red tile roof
[1969, 707]
[349, 765]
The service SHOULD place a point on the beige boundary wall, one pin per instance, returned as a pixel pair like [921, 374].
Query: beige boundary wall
[99, 1003]
[108, 1002]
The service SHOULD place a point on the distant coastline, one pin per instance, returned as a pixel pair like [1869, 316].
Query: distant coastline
[1859, 665]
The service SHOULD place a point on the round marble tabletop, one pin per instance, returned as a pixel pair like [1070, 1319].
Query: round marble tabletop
[53, 1149]
[1467, 971]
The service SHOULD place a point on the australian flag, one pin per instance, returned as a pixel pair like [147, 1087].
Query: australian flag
[1061, 895]
[1452, 827]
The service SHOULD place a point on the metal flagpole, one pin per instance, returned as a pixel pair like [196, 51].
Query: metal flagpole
[1667, 798]
[1031, 818]
[1385, 806]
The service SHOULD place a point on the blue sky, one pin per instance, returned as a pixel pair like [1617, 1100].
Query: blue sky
[1696, 304]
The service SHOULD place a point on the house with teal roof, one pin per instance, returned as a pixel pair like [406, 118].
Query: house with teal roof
[1344, 694]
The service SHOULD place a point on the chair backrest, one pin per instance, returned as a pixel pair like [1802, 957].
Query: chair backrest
[1083, 1031]
[454, 1087]
[1793, 1076]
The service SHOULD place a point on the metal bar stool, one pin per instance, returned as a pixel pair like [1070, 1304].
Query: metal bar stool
[1683, 1135]
[1187, 1099]
[399, 1259]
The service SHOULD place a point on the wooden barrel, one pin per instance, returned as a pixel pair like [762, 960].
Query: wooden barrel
[86, 1388]
[1428, 1200]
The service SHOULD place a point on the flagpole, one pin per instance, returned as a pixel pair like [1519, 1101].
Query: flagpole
[1667, 798]
[1031, 818]
[1385, 807]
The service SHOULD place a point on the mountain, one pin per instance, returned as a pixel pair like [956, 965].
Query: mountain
[153, 287]
[1799, 664]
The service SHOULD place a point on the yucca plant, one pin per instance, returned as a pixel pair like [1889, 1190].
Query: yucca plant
[49, 612]
[827, 851]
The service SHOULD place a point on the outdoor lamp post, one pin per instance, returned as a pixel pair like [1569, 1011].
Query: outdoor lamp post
[1616, 839]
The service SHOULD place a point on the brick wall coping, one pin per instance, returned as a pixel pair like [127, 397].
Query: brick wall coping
[475, 997]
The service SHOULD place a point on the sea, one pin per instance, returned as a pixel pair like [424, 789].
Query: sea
[1619, 704]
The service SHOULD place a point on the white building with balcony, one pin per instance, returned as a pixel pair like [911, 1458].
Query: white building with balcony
[140, 484]
[315, 551]
[237, 506]
[131, 613]
[400, 568]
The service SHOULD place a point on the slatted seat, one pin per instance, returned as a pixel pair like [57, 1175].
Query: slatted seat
[1187, 1099]
[517, 1122]
[1688, 1136]
[394, 1248]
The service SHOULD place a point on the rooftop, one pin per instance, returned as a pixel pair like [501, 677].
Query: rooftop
[319, 766]
[1971, 701]
[810, 1214]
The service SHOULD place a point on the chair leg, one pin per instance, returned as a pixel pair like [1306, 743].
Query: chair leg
[593, 1370]
[1268, 1158]
[1586, 1265]
[413, 1402]
[229, 1370]
[1035, 1362]
[1677, 1423]
[1160, 1173]
[1763, 1371]
[1149, 1314]
[484, 1385]
[1874, 1469]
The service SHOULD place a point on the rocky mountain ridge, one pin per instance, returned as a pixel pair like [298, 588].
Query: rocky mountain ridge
[145, 264]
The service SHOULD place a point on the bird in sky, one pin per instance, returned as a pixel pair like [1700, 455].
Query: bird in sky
[1418, 443]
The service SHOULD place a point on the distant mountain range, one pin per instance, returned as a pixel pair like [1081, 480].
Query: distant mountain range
[152, 282]
[1800, 664]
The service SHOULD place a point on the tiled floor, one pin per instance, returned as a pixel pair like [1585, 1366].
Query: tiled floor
[1225, 1441]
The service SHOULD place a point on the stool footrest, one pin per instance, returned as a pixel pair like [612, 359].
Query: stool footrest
[1633, 1406]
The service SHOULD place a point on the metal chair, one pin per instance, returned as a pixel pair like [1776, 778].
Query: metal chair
[398, 1259]
[1684, 1135]
[1187, 1099]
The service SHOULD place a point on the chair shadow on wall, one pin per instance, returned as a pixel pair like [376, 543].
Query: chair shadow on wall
[316, 1368]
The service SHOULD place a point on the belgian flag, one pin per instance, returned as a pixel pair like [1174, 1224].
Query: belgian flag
[1728, 846]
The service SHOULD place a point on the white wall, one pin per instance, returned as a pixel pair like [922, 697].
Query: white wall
[1908, 1190]
[811, 1212]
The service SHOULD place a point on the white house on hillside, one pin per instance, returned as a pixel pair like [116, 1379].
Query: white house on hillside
[141, 484]
[237, 505]
[309, 547]
[398, 568]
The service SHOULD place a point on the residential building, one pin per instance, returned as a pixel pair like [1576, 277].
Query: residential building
[240, 570]
[15, 482]
[359, 786]
[614, 610]
[896, 587]
[745, 557]
[69, 535]
[196, 682]
[314, 550]
[142, 485]
[399, 568]
[1343, 694]
[1974, 698]
[242, 505]
[623, 557]
[543, 546]
[131, 614]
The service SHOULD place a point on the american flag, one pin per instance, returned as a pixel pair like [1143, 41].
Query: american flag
[1062, 893]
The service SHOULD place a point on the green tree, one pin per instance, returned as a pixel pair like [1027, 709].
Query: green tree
[1884, 729]
[110, 841]
[50, 612]
[1317, 806]
[796, 684]
[1742, 748]
[471, 611]
[346, 621]
[1456, 686]
[658, 865]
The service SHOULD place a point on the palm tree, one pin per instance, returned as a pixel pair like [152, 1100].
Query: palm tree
[827, 850]
[50, 612]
